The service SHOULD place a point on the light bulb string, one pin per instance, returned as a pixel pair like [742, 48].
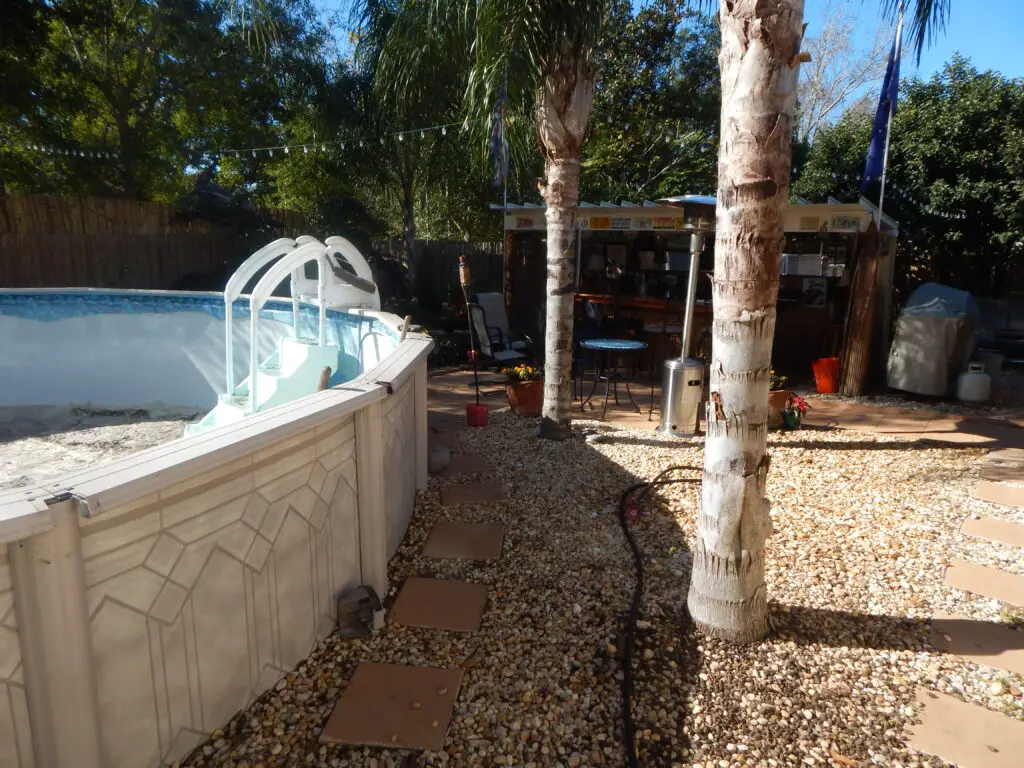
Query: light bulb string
[321, 145]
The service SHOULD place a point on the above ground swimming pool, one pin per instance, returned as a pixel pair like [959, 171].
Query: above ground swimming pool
[121, 349]
[152, 585]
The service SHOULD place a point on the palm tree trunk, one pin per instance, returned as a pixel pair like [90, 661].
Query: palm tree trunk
[562, 196]
[563, 112]
[759, 62]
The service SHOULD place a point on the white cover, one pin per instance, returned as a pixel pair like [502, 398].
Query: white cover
[934, 339]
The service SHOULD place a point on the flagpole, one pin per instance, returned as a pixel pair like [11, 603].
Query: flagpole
[888, 123]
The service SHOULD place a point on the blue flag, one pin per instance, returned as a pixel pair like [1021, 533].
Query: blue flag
[499, 145]
[875, 163]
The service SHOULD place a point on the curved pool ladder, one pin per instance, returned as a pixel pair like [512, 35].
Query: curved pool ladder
[236, 284]
[312, 250]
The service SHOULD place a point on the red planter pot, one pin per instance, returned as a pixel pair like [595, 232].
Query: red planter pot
[776, 402]
[525, 398]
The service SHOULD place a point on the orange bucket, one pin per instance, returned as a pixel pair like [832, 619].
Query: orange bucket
[826, 374]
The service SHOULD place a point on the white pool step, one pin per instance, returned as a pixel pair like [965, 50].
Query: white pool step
[291, 372]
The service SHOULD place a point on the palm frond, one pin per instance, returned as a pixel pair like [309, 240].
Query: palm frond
[927, 19]
[489, 46]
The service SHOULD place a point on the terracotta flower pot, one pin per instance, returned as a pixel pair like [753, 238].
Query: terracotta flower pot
[525, 398]
[776, 402]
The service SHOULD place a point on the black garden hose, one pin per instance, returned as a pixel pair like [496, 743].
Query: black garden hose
[635, 493]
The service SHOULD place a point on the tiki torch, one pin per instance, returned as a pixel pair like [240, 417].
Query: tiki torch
[464, 280]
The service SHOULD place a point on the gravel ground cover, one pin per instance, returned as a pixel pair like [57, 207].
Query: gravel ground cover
[865, 525]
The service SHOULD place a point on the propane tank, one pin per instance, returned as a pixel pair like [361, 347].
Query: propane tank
[974, 385]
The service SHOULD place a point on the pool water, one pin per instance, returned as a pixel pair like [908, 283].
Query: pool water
[124, 348]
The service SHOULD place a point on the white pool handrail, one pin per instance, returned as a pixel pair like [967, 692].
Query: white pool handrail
[351, 254]
[235, 286]
[296, 277]
[310, 251]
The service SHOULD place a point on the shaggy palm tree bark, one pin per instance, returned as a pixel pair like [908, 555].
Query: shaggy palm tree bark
[759, 62]
[563, 111]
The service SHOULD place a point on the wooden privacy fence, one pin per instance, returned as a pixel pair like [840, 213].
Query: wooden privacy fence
[436, 267]
[48, 241]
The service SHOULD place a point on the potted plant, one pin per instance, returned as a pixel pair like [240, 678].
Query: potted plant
[793, 413]
[777, 400]
[524, 386]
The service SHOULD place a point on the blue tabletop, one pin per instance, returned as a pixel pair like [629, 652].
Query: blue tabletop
[626, 345]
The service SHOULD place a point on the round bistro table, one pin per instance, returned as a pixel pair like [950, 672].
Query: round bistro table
[609, 371]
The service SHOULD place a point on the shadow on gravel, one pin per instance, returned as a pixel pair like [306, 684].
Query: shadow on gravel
[869, 445]
[819, 626]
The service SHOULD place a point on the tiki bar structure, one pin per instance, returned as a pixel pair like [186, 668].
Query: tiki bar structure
[633, 262]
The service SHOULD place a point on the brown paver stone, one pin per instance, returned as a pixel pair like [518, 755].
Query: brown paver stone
[1000, 493]
[824, 413]
[966, 734]
[445, 422]
[440, 604]
[445, 439]
[861, 418]
[1012, 456]
[987, 582]
[1001, 531]
[465, 541]
[1002, 472]
[485, 492]
[392, 705]
[464, 463]
[983, 642]
[901, 423]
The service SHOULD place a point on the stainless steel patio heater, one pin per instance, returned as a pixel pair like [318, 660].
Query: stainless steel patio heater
[682, 378]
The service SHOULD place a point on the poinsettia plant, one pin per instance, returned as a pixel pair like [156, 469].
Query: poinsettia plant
[795, 408]
[523, 372]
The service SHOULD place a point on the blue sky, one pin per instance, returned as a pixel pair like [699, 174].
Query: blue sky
[986, 31]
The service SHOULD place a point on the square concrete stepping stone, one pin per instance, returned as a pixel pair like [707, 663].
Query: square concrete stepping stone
[983, 642]
[486, 492]
[860, 419]
[1001, 531]
[391, 705]
[464, 541]
[444, 439]
[445, 422]
[997, 472]
[1011, 456]
[966, 734]
[440, 604]
[464, 463]
[987, 582]
[1000, 493]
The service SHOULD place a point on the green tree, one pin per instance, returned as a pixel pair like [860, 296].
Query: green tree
[835, 160]
[529, 57]
[655, 125]
[955, 179]
[159, 85]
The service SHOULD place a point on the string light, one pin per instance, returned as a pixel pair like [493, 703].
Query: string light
[61, 152]
[399, 135]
